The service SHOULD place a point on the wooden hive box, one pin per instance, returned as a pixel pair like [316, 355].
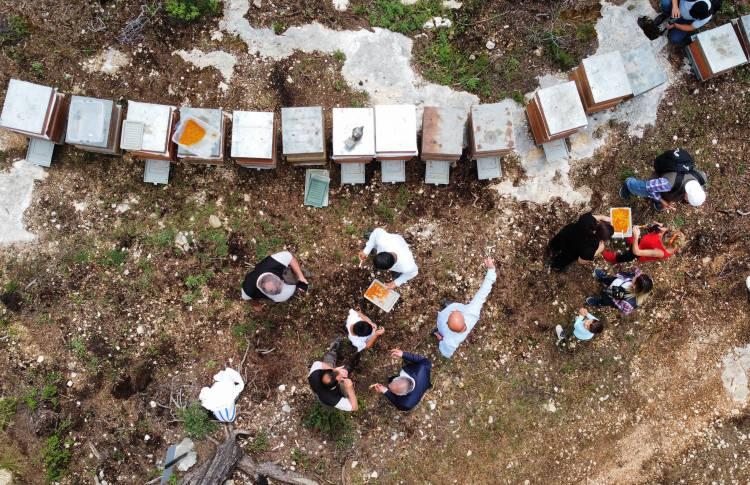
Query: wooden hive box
[216, 119]
[303, 136]
[602, 82]
[35, 111]
[254, 139]
[716, 51]
[556, 112]
[147, 131]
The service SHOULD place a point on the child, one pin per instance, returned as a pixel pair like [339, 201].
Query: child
[361, 331]
[585, 327]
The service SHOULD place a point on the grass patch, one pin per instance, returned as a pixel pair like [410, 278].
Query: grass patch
[191, 10]
[196, 421]
[332, 423]
[259, 444]
[114, 258]
[406, 19]
[339, 56]
[8, 406]
[385, 212]
[55, 454]
[162, 239]
[451, 66]
[13, 30]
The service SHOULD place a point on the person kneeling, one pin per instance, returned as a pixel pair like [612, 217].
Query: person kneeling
[583, 328]
[624, 291]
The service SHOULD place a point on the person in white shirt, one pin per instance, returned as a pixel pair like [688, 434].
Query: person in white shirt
[276, 278]
[392, 253]
[361, 331]
[456, 320]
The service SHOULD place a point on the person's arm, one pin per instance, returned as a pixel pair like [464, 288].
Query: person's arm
[601, 218]
[406, 276]
[676, 9]
[380, 331]
[413, 358]
[297, 270]
[348, 391]
[655, 187]
[682, 27]
[373, 241]
[648, 253]
[446, 349]
[599, 250]
[477, 302]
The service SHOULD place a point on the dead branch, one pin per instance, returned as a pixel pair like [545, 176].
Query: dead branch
[229, 456]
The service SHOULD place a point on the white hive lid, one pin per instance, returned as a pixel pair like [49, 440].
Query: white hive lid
[156, 119]
[722, 48]
[562, 107]
[607, 77]
[492, 127]
[252, 134]
[88, 121]
[396, 128]
[302, 130]
[26, 105]
[213, 118]
[344, 121]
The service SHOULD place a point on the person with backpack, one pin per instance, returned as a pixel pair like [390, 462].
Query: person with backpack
[580, 241]
[625, 291]
[659, 242]
[683, 18]
[676, 179]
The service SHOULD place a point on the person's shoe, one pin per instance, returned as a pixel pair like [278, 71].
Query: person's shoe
[660, 18]
[658, 207]
[336, 344]
[610, 256]
[560, 333]
[593, 301]
[444, 303]
[599, 273]
[624, 192]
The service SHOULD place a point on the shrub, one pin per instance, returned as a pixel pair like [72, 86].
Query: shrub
[394, 15]
[56, 455]
[196, 421]
[332, 423]
[451, 66]
[8, 407]
[116, 257]
[191, 10]
[13, 29]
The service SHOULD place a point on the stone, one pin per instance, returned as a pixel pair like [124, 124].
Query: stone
[437, 23]
[214, 221]
[181, 241]
[6, 477]
[286, 408]
[186, 446]
[490, 45]
[257, 3]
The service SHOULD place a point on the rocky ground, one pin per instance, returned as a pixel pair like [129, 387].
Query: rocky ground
[107, 326]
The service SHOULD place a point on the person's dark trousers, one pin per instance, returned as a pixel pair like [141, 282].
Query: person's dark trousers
[601, 300]
[331, 357]
[603, 277]
[676, 36]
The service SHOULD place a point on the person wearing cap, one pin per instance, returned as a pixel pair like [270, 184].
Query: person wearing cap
[332, 385]
[659, 242]
[406, 389]
[585, 327]
[667, 188]
[456, 320]
[685, 17]
[276, 278]
[391, 253]
[361, 331]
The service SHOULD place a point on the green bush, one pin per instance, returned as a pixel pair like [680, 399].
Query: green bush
[191, 10]
[116, 257]
[13, 29]
[394, 15]
[56, 455]
[332, 423]
[451, 66]
[195, 421]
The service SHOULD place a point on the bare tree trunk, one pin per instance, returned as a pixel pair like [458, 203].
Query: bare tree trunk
[229, 456]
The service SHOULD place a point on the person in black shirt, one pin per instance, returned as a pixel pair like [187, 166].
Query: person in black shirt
[276, 278]
[580, 241]
[332, 384]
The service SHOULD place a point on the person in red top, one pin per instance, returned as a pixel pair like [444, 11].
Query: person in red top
[659, 242]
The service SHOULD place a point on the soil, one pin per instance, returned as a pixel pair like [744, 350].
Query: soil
[107, 315]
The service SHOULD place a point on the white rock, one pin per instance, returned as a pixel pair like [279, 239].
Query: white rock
[152, 404]
[374, 475]
[257, 3]
[6, 477]
[437, 23]
[354, 464]
[550, 406]
[286, 408]
[452, 4]
[40, 359]
[490, 45]
[70, 384]
[214, 221]
[282, 388]
[186, 446]
[140, 330]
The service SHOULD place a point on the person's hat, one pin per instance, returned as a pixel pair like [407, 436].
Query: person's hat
[695, 194]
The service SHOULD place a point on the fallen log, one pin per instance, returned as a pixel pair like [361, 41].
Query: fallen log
[229, 456]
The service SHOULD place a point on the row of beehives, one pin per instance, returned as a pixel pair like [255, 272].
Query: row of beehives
[603, 81]
[161, 134]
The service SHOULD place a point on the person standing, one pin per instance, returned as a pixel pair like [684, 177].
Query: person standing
[406, 389]
[456, 320]
[276, 278]
[391, 253]
[580, 241]
[676, 179]
[361, 331]
[332, 384]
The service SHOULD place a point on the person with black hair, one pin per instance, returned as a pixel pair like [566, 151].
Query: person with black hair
[585, 327]
[361, 331]
[684, 17]
[580, 241]
[625, 291]
[332, 384]
[392, 253]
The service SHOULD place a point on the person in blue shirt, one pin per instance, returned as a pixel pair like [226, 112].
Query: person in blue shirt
[685, 17]
[406, 389]
[585, 327]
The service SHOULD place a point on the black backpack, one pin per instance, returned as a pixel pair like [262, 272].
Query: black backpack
[680, 161]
